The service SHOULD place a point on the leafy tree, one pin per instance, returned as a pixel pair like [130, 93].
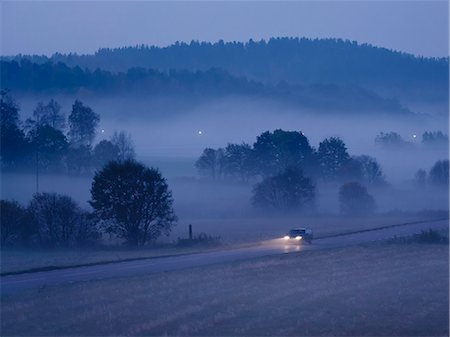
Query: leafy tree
[47, 114]
[351, 170]
[355, 200]
[238, 161]
[79, 159]
[392, 140]
[49, 144]
[438, 175]
[60, 221]
[372, 174]
[83, 122]
[133, 200]
[288, 190]
[124, 144]
[274, 152]
[12, 222]
[332, 156]
[211, 163]
[420, 178]
[14, 148]
[434, 138]
[104, 152]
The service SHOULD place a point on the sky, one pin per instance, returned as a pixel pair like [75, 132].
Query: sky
[46, 27]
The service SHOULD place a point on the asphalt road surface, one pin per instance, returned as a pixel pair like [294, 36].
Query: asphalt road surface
[17, 283]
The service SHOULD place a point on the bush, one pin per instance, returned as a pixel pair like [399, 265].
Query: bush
[201, 240]
[59, 221]
[13, 223]
[425, 236]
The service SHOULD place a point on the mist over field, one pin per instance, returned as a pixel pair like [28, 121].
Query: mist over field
[220, 168]
[166, 136]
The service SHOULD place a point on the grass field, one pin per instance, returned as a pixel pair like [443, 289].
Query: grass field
[15, 260]
[378, 289]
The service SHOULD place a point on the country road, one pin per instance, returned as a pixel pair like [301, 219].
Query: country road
[16, 283]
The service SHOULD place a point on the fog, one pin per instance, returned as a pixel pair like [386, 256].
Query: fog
[166, 136]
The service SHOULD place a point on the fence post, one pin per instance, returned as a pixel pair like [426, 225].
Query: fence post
[190, 232]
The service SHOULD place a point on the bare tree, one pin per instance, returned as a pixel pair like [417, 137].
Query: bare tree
[124, 145]
[211, 163]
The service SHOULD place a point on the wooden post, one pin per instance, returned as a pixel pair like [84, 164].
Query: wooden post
[190, 232]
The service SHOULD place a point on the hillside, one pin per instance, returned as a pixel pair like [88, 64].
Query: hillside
[53, 78]
[295, 60]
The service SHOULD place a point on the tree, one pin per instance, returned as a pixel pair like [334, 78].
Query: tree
[104, 152]
[438, 175]
[435, 138]
[332, 156]
[355, 200]
[288, 191]
[12, 222]
[47, 114]
[420, 178]
[392, 140]
[274, 152]
[211, 163]
[79, 159]
[14, 148]
[372, 174]
[238, 161]
[60, 221]
[351, 170]
[133, 200]
[124, 144]
[83, 122]
[50, 144]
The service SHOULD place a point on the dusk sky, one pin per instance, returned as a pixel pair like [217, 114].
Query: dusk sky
[418, 27]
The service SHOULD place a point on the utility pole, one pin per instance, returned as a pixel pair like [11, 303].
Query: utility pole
[38, 119]
[37, 169]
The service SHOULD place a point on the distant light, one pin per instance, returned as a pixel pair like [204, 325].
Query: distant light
[103, 130]
[414, 136]
[200, 132]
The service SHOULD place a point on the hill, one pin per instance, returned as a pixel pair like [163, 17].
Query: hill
[34, 78]
[294, 60]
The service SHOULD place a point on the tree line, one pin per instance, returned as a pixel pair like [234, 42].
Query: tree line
[50, 142]
[275, 151]
[295, 60]
[28, 77]
[129, 200]
[285, 169]
[394, 141]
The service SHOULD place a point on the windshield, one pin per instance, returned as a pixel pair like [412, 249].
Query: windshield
[297, 232]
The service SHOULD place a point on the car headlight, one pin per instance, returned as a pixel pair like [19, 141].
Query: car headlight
[287, 237]
[298, 238]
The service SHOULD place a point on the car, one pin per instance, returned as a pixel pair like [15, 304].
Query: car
[298, 235]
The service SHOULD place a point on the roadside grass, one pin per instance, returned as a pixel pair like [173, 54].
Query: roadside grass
[429, 236]
[232, 233]
[242, 230]
[17, 260]
[375, 289]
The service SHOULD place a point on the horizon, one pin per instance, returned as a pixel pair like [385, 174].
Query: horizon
[244, 42]
[46, 28]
